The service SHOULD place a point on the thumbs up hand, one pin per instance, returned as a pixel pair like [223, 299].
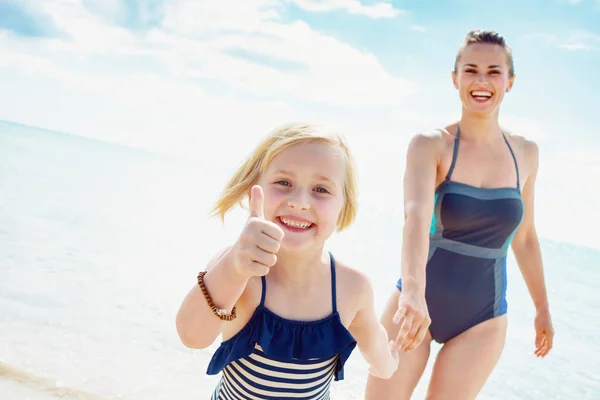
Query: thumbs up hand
[257, 203]
[256, 249]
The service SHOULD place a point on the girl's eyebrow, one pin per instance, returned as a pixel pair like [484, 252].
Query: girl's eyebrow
[326, 179]
[283, 172]
[319, 177]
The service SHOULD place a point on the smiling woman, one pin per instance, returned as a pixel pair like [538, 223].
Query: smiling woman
[468, 197]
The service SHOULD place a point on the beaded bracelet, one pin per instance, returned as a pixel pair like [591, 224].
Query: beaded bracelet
[221, 313]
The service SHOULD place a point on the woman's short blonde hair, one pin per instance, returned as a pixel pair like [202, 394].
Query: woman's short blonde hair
[248, 173]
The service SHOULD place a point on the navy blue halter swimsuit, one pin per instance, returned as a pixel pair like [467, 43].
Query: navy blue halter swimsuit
[471, 230]
[275, 358]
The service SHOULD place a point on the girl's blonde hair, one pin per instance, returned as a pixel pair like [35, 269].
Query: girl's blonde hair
[248, 173]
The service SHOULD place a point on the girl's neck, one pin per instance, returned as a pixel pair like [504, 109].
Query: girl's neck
[297, 268]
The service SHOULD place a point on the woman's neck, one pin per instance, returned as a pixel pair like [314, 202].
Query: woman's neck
[478, 128]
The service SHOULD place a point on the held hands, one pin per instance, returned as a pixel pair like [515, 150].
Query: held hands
[392, 365]
[413, 317]
[256, 249]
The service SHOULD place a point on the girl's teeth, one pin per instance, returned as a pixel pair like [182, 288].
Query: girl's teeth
[296, 224]
[481, 94]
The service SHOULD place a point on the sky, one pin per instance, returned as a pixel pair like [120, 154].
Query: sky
[188, 77]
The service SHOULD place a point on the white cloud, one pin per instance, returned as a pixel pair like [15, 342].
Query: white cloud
[87, 32]
[142, 109]
[575, 41]
[327, 70]
[574, 46]
[379, 10]
[105, 7]
[581, 41]
[189, 17]
[245, 47]
[577, 2]
[149, 88]
[418, 28]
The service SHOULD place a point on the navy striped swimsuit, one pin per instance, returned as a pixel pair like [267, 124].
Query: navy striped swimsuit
[275, 358]
[471, 230]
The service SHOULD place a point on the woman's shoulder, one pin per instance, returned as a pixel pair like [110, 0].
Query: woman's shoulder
[433, 141]
[525, 145]
[435, 137]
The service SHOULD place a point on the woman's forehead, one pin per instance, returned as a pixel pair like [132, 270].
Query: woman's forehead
[483, 53]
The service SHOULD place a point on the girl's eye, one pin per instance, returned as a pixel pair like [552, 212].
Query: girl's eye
[470, 71]
[321, 190]
[283, 183]
[495, 72]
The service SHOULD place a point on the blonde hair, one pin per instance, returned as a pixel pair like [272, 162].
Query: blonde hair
[248, 173]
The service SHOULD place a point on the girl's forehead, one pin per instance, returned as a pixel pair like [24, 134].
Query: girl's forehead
[313, 157]
[311, 151]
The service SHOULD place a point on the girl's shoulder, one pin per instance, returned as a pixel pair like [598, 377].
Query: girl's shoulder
[350, 278]
[354, 289]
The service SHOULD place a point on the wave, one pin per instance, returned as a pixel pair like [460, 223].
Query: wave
[45, 385]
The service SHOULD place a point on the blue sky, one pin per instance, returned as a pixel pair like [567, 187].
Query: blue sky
[171, 75]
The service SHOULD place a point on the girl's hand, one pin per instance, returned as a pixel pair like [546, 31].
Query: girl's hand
[393, 365]
[256, 249]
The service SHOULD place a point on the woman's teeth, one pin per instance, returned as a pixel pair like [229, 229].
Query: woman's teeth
[481, 95]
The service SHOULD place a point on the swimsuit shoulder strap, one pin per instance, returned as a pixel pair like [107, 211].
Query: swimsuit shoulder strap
[514, 159]
[454, 153]
[333, 285]
[264, 290]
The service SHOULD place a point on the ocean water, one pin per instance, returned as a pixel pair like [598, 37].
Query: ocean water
[99, 243]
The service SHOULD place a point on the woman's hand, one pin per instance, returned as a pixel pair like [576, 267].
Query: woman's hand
[413, 315]
[544, 333]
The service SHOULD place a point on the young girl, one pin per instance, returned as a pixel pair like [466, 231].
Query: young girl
[289, 314]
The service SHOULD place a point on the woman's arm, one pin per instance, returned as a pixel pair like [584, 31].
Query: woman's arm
[526, 248]
[419, 190]
[525, 243]
[419, 187]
